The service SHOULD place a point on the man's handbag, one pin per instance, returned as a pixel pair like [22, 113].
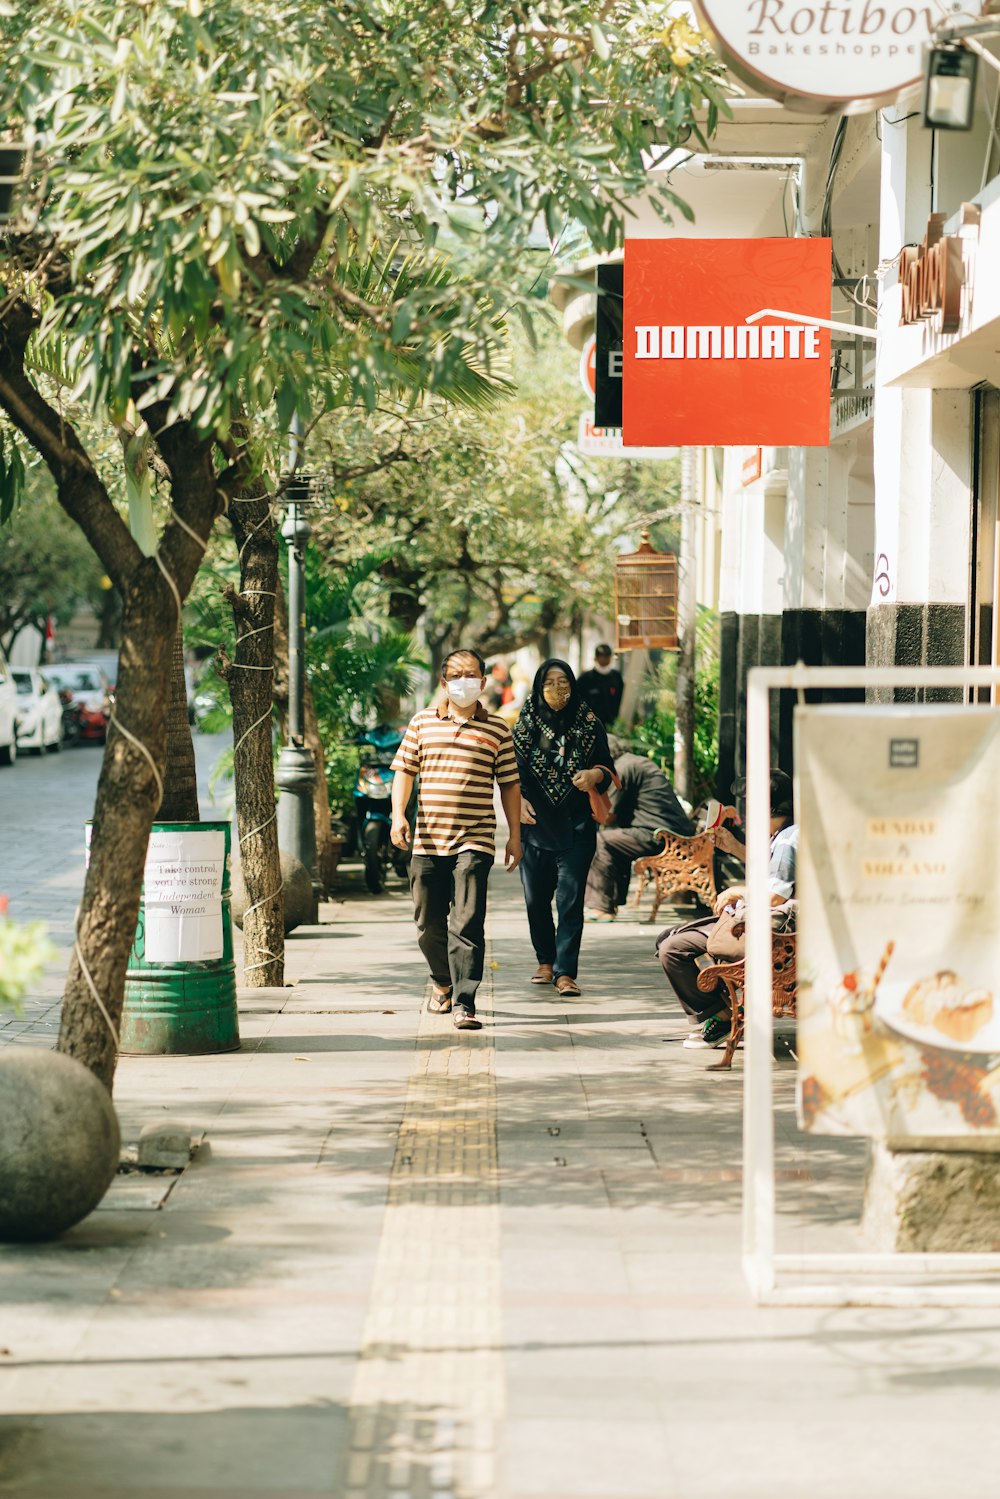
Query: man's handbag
[727, 941]
[600, 801]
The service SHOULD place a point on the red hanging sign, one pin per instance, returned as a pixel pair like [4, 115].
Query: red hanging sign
[696, 372]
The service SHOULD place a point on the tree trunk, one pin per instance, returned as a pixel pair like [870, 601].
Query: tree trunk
[108, 621]
[250, 679]
[325, 854]
[180, 776]
[128, 797]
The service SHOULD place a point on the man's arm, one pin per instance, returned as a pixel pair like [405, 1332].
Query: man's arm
[402, 790]
[510, 800]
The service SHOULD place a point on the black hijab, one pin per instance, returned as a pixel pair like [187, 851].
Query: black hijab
[553, 744]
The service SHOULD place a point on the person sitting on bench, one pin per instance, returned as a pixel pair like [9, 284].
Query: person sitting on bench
[680, 948]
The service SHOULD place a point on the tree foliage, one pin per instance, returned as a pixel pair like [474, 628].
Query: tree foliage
[245, 210]
[266, 202]
[46, 567]
[494, 528]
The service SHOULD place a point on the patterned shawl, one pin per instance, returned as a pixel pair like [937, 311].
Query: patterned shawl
[551, 747]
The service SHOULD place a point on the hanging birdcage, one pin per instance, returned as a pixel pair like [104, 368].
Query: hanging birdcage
[646, 599]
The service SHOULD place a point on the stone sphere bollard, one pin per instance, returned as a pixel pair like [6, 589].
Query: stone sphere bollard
[59, 1143]
[300, 903]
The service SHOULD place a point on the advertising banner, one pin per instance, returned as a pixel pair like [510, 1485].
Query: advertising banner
[697, 372]
[898, 937]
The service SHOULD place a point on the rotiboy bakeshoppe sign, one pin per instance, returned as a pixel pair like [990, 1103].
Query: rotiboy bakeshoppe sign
[843, 55]
[696, 372]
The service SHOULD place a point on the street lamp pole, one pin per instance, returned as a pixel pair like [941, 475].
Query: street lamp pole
[296, 770]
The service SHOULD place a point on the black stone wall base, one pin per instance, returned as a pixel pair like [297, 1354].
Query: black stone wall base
[818, 637]
[917, 635]
[729, 639]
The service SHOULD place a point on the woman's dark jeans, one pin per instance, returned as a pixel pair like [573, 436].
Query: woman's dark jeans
[559, 873]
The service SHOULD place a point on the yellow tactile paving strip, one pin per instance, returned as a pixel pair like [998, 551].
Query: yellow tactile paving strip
[429, 1388]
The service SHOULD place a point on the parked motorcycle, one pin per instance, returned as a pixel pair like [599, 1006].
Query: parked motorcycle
[373, 808]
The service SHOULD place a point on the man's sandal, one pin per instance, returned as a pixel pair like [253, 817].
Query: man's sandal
[440, 1001]
[567, 986]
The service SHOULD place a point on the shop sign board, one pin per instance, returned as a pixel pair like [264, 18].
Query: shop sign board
[609, 325]
[588, 367]
[606, 442]
[752, 466]
[697, 372]
[825, 56]
[898, 938]
[932, 274]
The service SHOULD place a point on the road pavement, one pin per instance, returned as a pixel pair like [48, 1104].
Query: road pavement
[45, 802]
[505, 1265]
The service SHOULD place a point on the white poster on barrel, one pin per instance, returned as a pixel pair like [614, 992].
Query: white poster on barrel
[898, 939]
[183, 896]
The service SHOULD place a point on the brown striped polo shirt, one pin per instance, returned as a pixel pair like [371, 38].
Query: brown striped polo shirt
[457, 760]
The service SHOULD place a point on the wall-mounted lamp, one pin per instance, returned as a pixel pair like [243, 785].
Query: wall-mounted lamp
[950, 86]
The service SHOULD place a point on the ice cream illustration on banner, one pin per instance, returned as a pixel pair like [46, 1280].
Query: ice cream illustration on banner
[853, 1002]
[944, 1003]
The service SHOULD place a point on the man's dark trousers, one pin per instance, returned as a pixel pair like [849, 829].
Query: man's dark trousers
[678, 949]
[449, 908]
[617, 850]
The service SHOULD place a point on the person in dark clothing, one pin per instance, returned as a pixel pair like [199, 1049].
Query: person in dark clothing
[562, 753]
[645, 802]
[601, 687]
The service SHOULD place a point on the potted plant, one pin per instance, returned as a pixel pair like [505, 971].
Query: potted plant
[342, 759]
[24, 952]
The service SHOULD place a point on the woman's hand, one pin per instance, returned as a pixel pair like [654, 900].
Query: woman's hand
[586, 780]
[527, 813]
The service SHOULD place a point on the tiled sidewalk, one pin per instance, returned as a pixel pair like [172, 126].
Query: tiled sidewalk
[418, 1262]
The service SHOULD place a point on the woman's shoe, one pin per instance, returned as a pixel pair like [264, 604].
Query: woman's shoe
[591, 915]
[542, 974]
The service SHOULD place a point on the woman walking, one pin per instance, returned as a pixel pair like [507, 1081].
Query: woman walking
[562, 754]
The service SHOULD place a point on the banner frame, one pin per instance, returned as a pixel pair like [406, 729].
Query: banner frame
[894, 1279]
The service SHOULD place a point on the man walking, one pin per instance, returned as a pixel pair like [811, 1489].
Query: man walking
[601, 687]
[458, 751]
[645, 802]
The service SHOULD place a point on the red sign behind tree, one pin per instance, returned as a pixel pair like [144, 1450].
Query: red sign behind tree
[696, 372]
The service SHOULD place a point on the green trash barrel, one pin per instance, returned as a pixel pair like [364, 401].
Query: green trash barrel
[180, 988]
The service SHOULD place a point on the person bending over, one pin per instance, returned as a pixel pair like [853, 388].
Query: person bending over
[645, 802]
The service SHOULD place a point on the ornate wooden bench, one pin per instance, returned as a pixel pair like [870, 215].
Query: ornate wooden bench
[686, 866]
[734, 977]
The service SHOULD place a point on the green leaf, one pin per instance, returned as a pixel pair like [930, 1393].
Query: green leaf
[600, 41]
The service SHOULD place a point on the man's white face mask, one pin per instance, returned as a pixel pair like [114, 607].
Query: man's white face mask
[603, 667]
[464, 691]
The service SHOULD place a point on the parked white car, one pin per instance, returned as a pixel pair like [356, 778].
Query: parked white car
[8, 714]
[39, 711]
